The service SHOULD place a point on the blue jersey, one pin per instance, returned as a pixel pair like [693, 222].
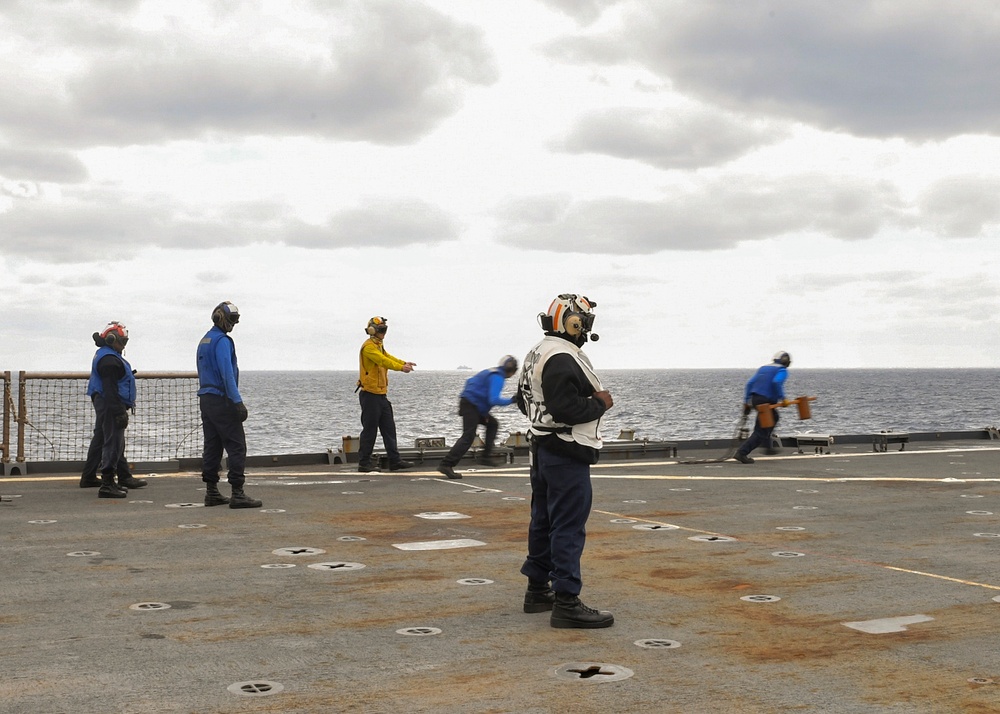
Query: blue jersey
[483, 390]
[126, 383]
[218, 372]
[768, 382]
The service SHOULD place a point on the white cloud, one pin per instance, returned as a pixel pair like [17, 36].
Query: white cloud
[715, 215]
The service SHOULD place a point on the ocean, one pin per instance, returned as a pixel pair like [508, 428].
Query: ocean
[308, 412]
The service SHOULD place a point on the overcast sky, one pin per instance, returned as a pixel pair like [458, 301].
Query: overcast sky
[725, 179]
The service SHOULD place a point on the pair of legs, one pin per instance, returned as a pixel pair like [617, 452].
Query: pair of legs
[761, 435]
[95, 452]
[561, 498]
[107, 452]
[471, 421]
[377, 418]
[223, 430]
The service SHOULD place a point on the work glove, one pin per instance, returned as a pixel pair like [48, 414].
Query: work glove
[121, 420]
[241, 409]
[746, 409]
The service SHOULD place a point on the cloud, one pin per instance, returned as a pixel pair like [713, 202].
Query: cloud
[367, 70]
[715, 215]
[921, 69]
[41, 165]
[961, 206]
[96, 224]
[381, 223]
[585, 11]
[669, 139]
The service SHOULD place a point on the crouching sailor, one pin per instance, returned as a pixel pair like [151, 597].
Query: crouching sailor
[564, 399]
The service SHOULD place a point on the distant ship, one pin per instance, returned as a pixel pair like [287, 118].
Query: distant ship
[464, 367]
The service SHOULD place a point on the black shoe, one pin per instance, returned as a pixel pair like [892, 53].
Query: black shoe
[368, 468]
[111, 490]
[742, 458]
[448, 471]
[241, 500]
[90, 482]
[132, 482]
[539, 597]
[401, 466]
[213, 497]
[568, 611]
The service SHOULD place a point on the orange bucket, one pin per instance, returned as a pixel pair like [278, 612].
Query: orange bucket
[765, 415]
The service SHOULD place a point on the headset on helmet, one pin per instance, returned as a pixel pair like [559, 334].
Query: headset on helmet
[376, 325]
[113, 332]
[509, 365]
[225, 315]
[569, 314]
[783, 358]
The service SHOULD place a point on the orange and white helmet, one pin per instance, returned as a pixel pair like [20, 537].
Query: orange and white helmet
[569, 314]
[113, 332]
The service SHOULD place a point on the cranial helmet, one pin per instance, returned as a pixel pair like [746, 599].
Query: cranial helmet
[783, 358]
[113, 332]
[376, 325]
[509, 365]
[569, 314]
[225, 315]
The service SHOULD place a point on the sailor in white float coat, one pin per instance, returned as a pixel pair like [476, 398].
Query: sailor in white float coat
[564, 399]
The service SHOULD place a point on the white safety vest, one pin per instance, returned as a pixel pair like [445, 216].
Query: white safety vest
[542, 423]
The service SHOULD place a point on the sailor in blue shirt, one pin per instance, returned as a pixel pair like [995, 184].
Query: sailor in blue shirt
[766, 386]
[111, 388]
[222, 410]
[481, 393]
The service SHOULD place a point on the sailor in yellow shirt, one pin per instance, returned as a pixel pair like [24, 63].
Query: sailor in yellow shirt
[376, 409]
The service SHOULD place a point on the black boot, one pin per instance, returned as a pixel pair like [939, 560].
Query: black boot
[90, 481]
[568, 611]
[131, 481]
[212, 495]
[538, 597]
[241, 500]
[109, 489]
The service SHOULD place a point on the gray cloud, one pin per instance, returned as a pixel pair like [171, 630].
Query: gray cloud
[961, 206]
[379, 71]
[921, 69]
[41, 165]
[669, 139]
[717, 215]
[585, 11]
[384, 223]
[106, 225]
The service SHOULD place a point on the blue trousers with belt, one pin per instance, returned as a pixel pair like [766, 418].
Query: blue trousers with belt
[223, 430]
[561, 498]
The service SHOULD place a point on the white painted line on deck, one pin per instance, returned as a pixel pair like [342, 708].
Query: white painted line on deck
[887, 624]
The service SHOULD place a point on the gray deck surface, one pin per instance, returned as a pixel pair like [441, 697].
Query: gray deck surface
[911, 534]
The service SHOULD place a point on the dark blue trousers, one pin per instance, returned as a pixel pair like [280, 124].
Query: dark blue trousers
[760, 435]
[223, 430]
[471, 419]
[376, 417]
[561, 497]
[95, 452]
[112, 438]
